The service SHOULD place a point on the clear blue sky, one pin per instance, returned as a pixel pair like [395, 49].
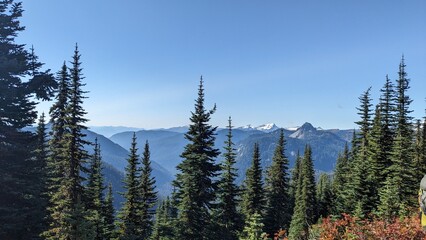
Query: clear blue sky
[284, 61]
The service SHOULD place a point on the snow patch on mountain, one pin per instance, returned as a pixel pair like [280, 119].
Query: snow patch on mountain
[267, 127]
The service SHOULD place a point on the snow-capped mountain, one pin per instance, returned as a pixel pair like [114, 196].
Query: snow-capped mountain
[268, 127]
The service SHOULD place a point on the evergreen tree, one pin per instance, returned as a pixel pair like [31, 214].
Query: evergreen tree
[306, 204]
[340, 183]
[227, 216]
[253, 228]
[402, 171]
[195, 188]
[362, 184]
[39, 174]
[20, 87]
[94, 192]
[108, 214]
[387, 112]
[419, 159]
[377, 157]
[423, 146]
[324, 195]
[163, 226]
[78, 156]
[253, 196]
[148, 195]
[390, 201]
[293, 183]
[277, 214]
[129, 216]
[69, 218]
[56, 164]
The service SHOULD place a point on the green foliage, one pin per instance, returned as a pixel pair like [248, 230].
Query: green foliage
[402, 171]
[390, 201]
[306, 204]
[68, 216]
[39, 177]
[423, 148]
[94, 193]
[164, 222]
[195, 188]
[277, 214]
[341, 182]
[129, 214]
[19, 89]
[378, 155]
[108, 214]
[226, 215]
[293, 183]
[253, 194]
[362, 196]
[324, 195]
[148, 195]
[419, 151]
[253, 228]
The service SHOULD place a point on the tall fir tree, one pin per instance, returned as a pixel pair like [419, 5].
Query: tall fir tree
[56, 164]
[402, 171]
[419, 158]
[40, 177]
[293, 182]
[20, 87]
[148, 195]
[361, 184]
[69, 218]
[108, 215]
[163, 226]
[304, 213]
[94, 193]
[195, 186]
[387, 116]
[324, 195]
[78, 156]
[129, 214]
[423, 146]
[377, 157]
[253, 199]
[227, 215]
[340, 183]
[277, 214]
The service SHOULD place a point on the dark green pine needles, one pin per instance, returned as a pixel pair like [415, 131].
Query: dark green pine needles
[226, 213]
[277, 190]
[21, 84]
[254, 194]
[305, 210]
[195, 187]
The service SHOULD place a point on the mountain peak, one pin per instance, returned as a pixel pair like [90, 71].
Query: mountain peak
[307, 127]
[305, 130]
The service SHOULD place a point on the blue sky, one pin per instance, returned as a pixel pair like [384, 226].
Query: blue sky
[286, 62]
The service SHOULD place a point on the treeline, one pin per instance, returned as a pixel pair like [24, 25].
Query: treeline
[51, 188]
[380, 175]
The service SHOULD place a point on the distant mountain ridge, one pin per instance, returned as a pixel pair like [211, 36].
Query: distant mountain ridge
[167, 144]
[108, 131]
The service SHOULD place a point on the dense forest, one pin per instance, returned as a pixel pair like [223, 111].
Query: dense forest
[52, 188]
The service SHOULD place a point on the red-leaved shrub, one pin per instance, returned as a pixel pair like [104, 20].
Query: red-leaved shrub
[352, 228]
